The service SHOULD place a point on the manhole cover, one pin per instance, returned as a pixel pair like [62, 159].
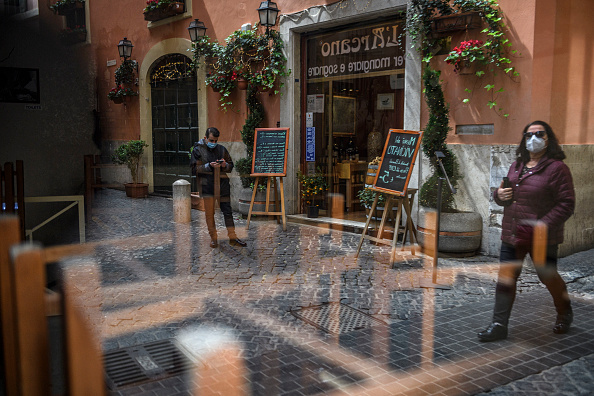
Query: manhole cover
[336, 318]
[144, 363]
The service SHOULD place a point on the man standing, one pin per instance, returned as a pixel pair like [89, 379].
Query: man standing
[208, 155]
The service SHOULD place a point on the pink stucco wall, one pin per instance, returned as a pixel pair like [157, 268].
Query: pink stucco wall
[553, 38]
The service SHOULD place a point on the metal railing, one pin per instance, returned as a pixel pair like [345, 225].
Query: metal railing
[75, 199]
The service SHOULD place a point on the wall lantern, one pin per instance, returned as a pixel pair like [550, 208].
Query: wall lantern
[125, 48]
[197, 30]
[268, 12]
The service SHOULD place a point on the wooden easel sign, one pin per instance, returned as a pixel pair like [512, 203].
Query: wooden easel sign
[392, 178]
[270, 152]
[398, 159]
[270, 160]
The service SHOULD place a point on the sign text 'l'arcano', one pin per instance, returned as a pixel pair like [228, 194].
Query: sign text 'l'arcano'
[356, 51]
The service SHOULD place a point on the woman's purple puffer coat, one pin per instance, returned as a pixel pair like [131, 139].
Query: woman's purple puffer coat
[545, 193]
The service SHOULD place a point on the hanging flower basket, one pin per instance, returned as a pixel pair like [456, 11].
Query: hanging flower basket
[456, 22]
[163, 10]
[66, 7]
[120, 94]
[465, 56]
[242, 84]
[466, 67]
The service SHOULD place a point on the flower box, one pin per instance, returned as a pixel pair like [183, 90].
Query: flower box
[456, 22]
[67, 7]
[166, 11]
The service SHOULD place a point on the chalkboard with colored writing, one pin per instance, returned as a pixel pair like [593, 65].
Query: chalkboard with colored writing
[270, 152]
[398, 160]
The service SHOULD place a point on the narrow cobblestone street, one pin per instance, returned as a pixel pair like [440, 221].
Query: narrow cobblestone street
[252, 317]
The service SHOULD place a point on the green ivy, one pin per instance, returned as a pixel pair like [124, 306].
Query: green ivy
[124, 74]
[257, 58]
[253, 121]
[434, 139]
[494, 49]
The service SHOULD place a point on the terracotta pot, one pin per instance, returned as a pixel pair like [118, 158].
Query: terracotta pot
[118, 100]
[136, 190]
[242, 84]
[197, 201]
[466, 67]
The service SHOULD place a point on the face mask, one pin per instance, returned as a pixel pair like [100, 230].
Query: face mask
[211, 145]
[535, 144]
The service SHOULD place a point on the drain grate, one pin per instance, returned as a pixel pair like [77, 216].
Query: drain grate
[336, 318]
[144, 363]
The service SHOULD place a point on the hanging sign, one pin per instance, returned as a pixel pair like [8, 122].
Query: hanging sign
[398, 160]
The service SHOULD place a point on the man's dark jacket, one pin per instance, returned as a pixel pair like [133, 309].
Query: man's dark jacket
[202, 156]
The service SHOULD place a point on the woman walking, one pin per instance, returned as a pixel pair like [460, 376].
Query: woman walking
[540, 189]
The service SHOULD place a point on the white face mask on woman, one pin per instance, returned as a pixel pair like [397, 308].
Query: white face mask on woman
[535, 144]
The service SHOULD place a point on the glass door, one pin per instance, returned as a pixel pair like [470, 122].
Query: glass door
[175, 121]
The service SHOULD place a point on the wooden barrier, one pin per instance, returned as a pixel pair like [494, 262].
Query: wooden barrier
[24, 311]
[11, 187]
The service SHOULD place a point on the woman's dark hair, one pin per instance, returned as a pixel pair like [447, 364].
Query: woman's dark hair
[212, 131]
[554, 150]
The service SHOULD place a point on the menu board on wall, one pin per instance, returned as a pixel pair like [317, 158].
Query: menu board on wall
[398, 160]
[270, 152]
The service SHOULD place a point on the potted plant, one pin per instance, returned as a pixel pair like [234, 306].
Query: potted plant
[312, 186]
[465, 55]
[460, 232]
[159, 9]
[65, 7]
[119, 93]
[130, 154]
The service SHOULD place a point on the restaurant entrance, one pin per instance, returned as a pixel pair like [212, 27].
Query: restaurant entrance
[354, 83]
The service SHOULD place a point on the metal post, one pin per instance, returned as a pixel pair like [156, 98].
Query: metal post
[436, 251]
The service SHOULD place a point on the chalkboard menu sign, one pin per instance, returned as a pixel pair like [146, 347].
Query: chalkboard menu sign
[270, 152]
[398, 160]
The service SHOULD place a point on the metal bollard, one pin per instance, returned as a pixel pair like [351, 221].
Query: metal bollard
[182, 202]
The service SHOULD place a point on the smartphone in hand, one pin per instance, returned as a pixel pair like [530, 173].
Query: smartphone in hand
[506, 182]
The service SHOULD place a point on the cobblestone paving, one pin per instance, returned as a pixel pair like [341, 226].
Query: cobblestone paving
[152, 279]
